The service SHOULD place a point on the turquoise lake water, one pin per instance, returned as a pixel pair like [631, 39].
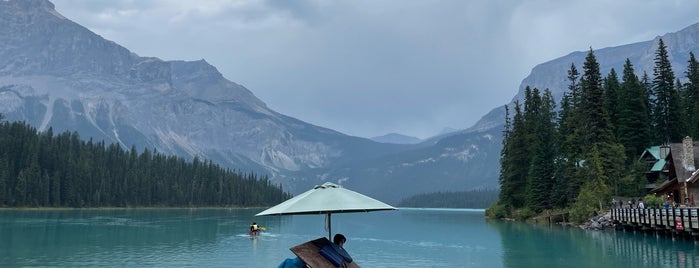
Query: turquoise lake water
[403, 238]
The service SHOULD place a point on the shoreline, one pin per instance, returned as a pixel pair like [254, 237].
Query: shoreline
[120, 208]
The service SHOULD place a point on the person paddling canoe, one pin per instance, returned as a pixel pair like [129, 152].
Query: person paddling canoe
[255, 229]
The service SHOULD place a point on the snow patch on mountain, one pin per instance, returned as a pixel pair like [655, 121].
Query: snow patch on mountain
[460, 154]
[276, 158]
[171, 138]
[48, 115]
[10, 100]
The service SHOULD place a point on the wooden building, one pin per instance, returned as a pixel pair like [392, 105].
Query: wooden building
[673, 171]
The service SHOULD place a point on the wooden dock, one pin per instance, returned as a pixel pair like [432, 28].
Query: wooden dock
[681, 222]
[550, 218]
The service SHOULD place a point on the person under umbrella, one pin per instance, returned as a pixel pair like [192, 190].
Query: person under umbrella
[337, 245]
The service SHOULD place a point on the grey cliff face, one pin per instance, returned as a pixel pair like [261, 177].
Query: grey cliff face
[77, 80]
[553, 74]
[37, 39]
[57, 74]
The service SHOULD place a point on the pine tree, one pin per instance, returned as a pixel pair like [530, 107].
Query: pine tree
[692, 89]
[647, 87]
[505, 190]
[595, 130]
[634, 122]
[571, 149]
[692, 95]
[541, 181]
[514, 163]
[63, 171]
[592, 115]
[569, 121]
[663, 91]
[611, 97]
[562, 164]
[595, 194]
[4, 173]
[679, 112]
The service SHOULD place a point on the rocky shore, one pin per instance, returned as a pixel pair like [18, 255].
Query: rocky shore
[599, 222]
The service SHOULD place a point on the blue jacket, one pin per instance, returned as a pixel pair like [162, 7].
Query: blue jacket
[342, 252]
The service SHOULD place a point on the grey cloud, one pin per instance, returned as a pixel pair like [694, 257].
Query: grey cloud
[370, 67]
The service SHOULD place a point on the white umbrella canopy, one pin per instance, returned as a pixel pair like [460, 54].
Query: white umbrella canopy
[327, 199]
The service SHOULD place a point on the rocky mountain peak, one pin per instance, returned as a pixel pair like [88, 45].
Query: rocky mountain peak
[56, 73]
[553, 74]
[152, 70]
[682, 42]
[37, 39]
[27, 6]
[201, 80]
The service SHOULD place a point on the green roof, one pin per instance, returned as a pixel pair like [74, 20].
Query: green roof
[658, 166]
[655, 151]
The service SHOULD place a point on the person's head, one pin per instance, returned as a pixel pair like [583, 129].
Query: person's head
[339, 239]
[253, 223]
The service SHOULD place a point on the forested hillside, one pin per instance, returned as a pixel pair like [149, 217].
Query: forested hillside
[38, 169]
[578, 156]
[468, 199]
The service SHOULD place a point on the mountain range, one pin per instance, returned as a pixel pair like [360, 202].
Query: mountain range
[57, 74]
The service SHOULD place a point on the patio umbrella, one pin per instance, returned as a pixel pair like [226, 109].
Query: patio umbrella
[327, 199]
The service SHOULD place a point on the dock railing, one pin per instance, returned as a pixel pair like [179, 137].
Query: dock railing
[658, 219]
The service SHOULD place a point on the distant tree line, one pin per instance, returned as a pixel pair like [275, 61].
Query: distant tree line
[580, 155]
[38, 169]
[466, 199]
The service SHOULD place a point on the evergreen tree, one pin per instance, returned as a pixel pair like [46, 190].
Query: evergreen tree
[592, 115]
[569, 137]
[680, 112]
[595, 130]
[505, 192]
[634, 182]
[611, 97]
[4, 170]
[514, 163]
[647, 86]
[634, 122]
[541, 181]
[663, 96]
[692, 89]
[569, 120]
[37, 169]
[574, 86]
[562, 164]
[595, 194]
[589, 148]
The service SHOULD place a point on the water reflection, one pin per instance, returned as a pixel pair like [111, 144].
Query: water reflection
[526, 245]
[657, 251]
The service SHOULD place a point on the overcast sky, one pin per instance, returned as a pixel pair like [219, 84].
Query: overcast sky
[371, 67]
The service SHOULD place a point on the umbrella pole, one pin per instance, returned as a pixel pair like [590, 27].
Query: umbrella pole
[329, 227]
